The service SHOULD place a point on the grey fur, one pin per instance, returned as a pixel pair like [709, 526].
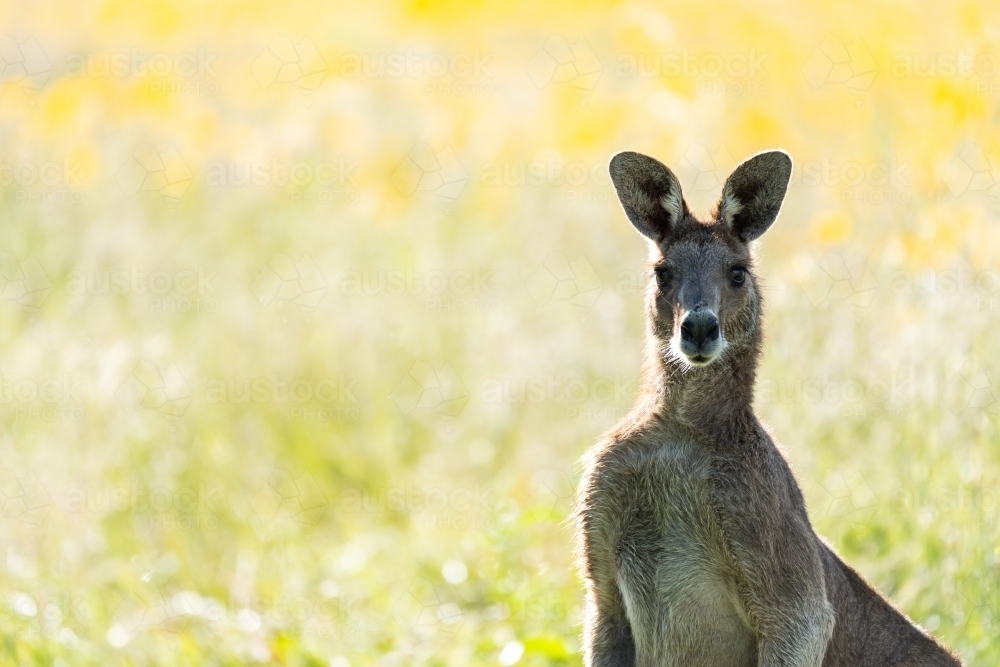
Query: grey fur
[752, 195]
[649, 192]
[693, 536]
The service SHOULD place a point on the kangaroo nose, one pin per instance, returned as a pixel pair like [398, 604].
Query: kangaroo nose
[700, 327]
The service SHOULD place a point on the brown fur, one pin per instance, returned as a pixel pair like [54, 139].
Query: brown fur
[693, 536]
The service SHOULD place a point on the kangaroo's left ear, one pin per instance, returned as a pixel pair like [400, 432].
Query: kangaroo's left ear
[752, 195]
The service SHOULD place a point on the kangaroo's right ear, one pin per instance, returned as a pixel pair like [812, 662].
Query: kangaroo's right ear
[649, 192]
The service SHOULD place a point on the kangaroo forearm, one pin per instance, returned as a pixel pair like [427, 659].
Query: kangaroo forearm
[801, 642]
[607, 640]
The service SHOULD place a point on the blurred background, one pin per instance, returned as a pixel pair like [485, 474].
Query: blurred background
[308, 312]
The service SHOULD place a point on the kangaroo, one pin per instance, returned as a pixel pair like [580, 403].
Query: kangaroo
[693, 537]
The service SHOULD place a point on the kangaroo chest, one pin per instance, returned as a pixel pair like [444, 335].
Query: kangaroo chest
[678, 586]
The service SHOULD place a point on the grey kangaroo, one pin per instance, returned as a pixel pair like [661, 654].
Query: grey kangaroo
[692, 532]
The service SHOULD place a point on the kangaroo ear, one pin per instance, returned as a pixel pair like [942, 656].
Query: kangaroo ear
[649, 193]
[752, 195]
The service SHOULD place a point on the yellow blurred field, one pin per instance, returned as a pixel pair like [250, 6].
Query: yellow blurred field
[308, 312]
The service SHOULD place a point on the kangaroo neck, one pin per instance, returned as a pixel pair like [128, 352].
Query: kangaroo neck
[715, 399]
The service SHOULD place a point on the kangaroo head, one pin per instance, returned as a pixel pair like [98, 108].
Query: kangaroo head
[703, 296]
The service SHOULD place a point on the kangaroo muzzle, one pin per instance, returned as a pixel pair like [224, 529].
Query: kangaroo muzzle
[700, 336]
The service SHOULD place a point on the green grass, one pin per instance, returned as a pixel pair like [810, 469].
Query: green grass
[407, 503]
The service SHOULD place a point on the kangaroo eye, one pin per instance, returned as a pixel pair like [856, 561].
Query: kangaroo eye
[738, 276]
[662, 275]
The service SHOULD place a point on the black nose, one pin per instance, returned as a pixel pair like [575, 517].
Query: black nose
[699, 328]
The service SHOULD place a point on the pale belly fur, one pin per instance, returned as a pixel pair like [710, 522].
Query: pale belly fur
[679, 590]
